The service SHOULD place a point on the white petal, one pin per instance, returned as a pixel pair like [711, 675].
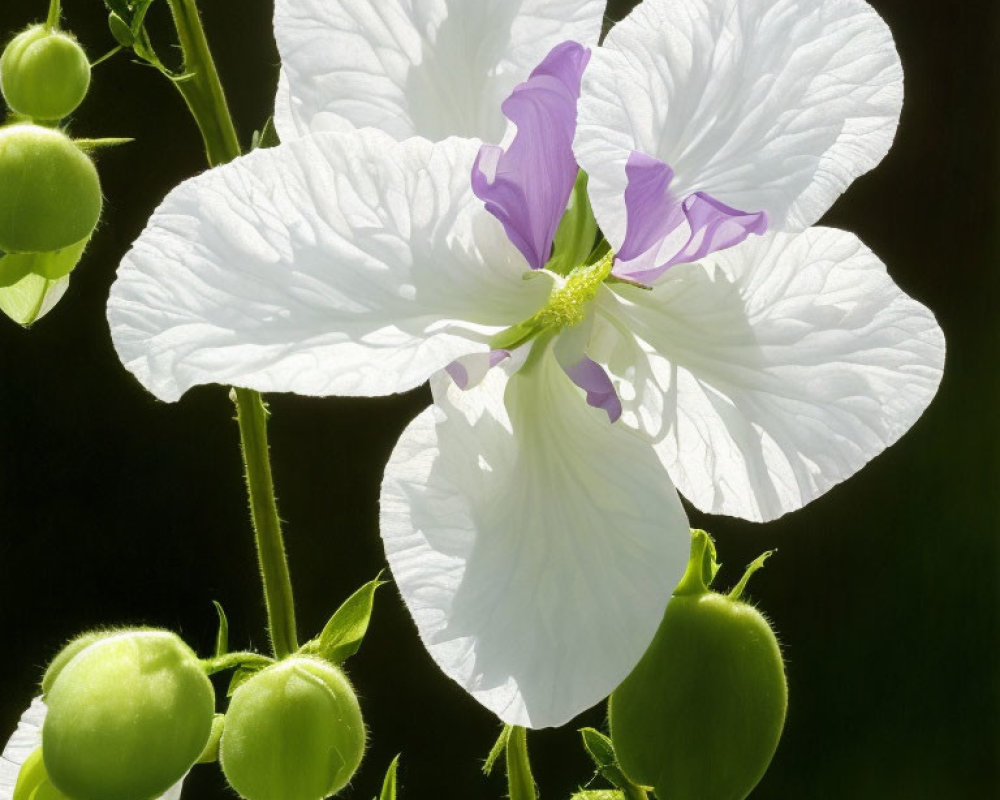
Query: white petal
[782, 367]
[433, 68]
[768, 105]
[337, 264]
[22, 744]
[535, 544]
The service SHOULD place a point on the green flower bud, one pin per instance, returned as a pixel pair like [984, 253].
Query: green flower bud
[44, 74]
[701, 714]
[293, 732]
[128, 715]
[68, 653]
[50, 195]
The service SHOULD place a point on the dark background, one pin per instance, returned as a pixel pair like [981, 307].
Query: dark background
[115, 508]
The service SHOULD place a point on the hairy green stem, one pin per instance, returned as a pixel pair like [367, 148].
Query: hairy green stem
[252, 417]
[55, 11]
[206, 100]
[520, 783]
[201, 88]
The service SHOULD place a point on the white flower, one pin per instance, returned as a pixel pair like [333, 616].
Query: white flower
[535, 542]
[28, 738]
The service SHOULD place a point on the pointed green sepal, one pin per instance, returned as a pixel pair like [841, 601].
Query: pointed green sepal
[211, 752]
[222, 635]
[89, 146]
[343, 634]
[577, 231]
[702, 566]
[389, 783]
[499, 746]
[602, 753]
[752, 567]
[516, 335]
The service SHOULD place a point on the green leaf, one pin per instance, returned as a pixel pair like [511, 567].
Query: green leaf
[32, 297]
[139, 10]
[602, 752]
[389, 784]
[576, 233]
[222, 636]
[343, 634]
[120, 30]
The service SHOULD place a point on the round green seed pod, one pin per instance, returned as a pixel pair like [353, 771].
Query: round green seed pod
[128, 715]
[44, 74]
[701, 714]
[293, 732]
[50, 194]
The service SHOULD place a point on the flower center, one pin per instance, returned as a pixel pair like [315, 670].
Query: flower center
[566, 306]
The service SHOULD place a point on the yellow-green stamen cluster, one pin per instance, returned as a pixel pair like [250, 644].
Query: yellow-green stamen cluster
[566, 306]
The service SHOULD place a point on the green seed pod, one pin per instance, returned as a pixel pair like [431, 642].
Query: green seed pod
[50, 195]
[44, 74]
[700, 716]
[293, 732]
[128, 716]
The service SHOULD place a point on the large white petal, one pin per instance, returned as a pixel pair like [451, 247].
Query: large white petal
[768, 105]
[337, 264]
[535, 544]
[774, 370]
[432, 68]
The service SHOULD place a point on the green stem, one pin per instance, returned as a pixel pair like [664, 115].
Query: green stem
[234, 660]
[520, 783]
[202, 91]
[55, 11]
[252, 417]
[201, 88]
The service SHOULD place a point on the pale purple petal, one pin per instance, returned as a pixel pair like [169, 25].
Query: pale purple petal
[591, 377]
[662, 232]
[528, 186]
[469, 371]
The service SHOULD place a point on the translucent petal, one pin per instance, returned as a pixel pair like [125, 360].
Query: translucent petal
[337, 264]
[772, 371]
[767, 105]
[432, 68]
[535, 544]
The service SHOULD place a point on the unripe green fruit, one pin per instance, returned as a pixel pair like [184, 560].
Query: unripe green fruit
[293, 732]
[50, 195]
[44, 74]
[127, 716]
[700, 716]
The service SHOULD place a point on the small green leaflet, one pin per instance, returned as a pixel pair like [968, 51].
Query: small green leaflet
[342, 636]
[222, 636]
[602, 753]
[389, 784]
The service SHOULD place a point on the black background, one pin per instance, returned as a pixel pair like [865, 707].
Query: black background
[116, 508]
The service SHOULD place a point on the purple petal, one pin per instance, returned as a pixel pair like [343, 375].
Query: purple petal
[662, 232]
[528, 186]
[469, 371]
[591, 377]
